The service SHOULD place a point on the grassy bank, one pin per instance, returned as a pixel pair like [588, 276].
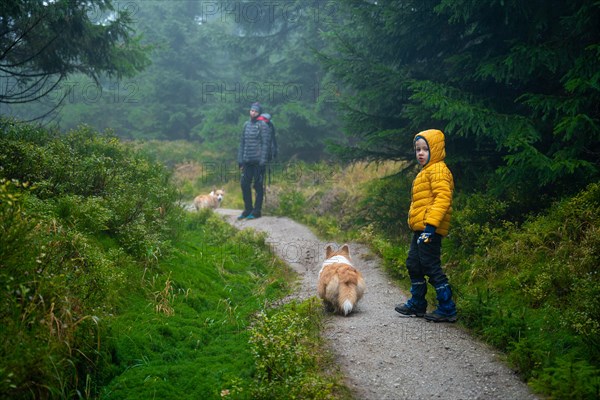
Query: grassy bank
[184, 333]
[108, 289]
[210, 331]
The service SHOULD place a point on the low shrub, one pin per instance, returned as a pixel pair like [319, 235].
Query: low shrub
[288, 356]
[478, 220]
[533, 291]
[384, 205]
[81, 217]
[568, 379]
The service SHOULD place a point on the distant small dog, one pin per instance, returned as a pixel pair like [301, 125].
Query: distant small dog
[340, 285]
[211, 200]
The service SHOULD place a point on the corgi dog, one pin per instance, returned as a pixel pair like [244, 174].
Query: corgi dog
[340, 285]
[211, 200]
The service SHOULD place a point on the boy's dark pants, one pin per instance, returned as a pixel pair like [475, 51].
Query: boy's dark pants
[424, 260]
[253, 172]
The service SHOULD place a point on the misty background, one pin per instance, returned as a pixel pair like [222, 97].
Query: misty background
[210, 61]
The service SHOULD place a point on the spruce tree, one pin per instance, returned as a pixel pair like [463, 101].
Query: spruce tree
[513, 84]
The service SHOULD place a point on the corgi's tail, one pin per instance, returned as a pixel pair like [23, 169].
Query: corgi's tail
[347, 298]
[347, 307]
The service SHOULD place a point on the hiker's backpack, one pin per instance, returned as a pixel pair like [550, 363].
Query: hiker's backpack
[272, 152]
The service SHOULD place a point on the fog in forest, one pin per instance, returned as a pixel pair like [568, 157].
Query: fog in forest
[209, 61]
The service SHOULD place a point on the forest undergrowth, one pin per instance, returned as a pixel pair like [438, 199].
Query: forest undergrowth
[525, 282]
[109, 288]
[529, 286]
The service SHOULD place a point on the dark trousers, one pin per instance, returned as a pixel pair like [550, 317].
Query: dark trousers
[253, 173]
[425, 260]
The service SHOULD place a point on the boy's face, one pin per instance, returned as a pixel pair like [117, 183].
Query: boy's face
[253, 113]
[422, 152]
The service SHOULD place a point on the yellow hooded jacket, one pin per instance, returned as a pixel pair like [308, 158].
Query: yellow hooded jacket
[431, 202]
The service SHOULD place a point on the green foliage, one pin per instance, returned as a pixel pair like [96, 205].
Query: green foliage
[15, 224]
[292, 203]
[184, 333]
[391, 250]
[532, 290]
[130, 196]
[478, 220]
[44, 42]
[57, 287]
[284, 345]
[81, 217]
[174, 152]
[384, 206]
[570, 380]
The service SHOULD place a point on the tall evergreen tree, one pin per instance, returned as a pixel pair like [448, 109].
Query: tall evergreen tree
[513, 84]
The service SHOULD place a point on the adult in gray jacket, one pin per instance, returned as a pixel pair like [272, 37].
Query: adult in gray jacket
[252, 159]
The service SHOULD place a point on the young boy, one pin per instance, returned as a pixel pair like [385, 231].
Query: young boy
[429, 219]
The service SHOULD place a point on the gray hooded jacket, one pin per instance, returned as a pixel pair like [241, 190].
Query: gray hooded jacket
[254, 143]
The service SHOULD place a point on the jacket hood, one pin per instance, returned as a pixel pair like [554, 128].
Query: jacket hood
[264, 117]
[436, 142]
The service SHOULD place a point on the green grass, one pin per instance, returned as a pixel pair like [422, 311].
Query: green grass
[535, 294]
[185, 334]
[110, 290]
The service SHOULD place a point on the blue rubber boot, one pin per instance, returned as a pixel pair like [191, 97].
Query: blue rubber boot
[446, 310]
[416, 305]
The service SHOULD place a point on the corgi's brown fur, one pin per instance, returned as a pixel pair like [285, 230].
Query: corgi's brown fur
[340, 285]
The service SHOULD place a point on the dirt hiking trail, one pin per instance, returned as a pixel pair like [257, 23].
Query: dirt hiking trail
[382, 354]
